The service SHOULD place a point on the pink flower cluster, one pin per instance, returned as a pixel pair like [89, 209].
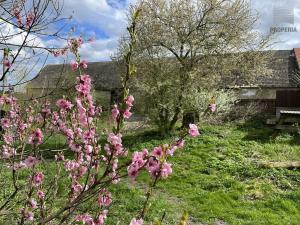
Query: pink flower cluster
[6, 62]
[27, 215]
[155, 163]
[30, 17]
[135, 221]
[36, 138]
[129, 102]
[212, 107]
[83, 86]
[74, 44]
[75, 65]
[193, 131]
[104, 198]
[89, 220]
[17, 14]
[37, 179]
[115, 112]
[64, 104]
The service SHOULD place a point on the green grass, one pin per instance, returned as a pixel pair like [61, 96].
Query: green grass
[215, 178]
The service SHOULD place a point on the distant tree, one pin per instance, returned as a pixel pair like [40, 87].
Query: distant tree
[188, 45]
[26, 25]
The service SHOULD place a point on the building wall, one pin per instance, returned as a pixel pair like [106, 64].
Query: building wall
[259, 93]
[262, 100]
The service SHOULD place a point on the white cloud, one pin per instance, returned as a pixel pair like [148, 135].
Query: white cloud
[98, 13]
[285, 40]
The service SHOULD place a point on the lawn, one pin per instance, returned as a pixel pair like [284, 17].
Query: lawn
[216, 179]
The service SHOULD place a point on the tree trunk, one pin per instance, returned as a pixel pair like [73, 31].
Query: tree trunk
[189, 117]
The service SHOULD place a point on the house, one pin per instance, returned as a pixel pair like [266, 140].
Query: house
[284, 65]
[54, 81]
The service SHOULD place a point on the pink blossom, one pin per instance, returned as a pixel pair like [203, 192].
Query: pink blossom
[82, 170]
[157, 152]
[133, 170]
[153, 166]
[71, 165]
[18, 166]
[83, 64]
[39, 118]
[115, 112]
[5, 123]
[135, 221]
[6, 62]
[193, 131]
[8, 152]
[101, 218]
[32, 203]
[8, 138]
[88, 149]
[40, 194]
[104, 198]
[129, 100]
[36, 138]
[212, 107]
[17, 14]
[172, 150]
[38, 178]
[30, 161]
[23, 126]
[83, 84]
[56, 53]
[127, 114]
[30, 19]
[28, 215]
[180, 143]
[89, 134]
[85, 219]
[166, 170]
[74, 65]
[114, 139]
[64, 104]
[76, 187]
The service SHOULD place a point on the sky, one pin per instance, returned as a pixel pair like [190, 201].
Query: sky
[270, 17]
[105, 20]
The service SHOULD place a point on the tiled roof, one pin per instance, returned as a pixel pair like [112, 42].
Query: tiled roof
[281, 65]
[104, 76]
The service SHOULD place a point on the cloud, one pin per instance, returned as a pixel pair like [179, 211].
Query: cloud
[99, 50]
[107, 16]
[284, 40]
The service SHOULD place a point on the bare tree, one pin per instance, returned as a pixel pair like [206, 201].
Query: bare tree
[24, 25]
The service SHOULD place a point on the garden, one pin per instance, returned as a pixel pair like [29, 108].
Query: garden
[176, 145]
